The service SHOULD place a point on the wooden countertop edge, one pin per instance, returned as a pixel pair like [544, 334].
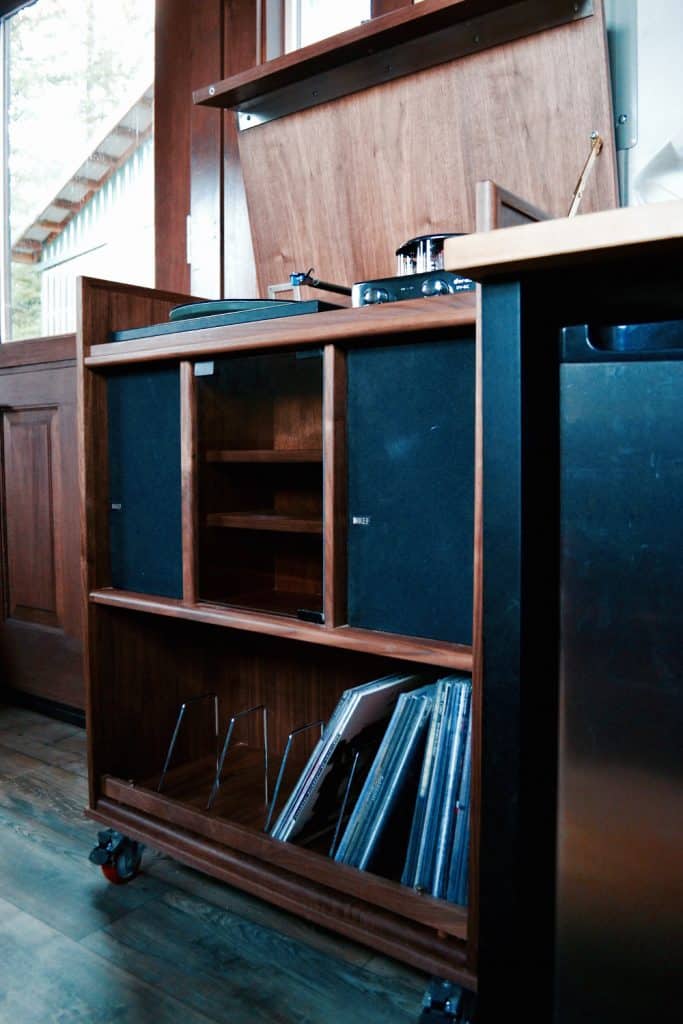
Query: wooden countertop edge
[439, 311]
[553, 243]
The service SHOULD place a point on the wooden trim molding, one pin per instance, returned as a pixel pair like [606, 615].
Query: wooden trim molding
[32, 351]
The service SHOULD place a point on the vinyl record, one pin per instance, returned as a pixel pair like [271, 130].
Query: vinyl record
[193, 309]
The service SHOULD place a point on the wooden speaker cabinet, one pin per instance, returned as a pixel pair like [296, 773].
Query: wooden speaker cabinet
[216, 563]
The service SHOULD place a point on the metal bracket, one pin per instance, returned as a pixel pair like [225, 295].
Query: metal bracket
[352, 772]
[283, 764]
[174, 738]
[622, 37]
[221, 761]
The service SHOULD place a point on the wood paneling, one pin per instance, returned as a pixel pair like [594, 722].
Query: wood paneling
[30, 447]
[58, 348]
[366, 172]
[40, 635]
[239, 54]
[172, 110]
[206, 154]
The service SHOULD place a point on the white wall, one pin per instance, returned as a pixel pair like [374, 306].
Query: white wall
[655, 164]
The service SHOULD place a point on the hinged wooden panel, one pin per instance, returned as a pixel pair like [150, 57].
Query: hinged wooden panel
[340, 186]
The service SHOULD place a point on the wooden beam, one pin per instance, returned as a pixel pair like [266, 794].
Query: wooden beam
[66, 204]
[52, 225]
[89, 183]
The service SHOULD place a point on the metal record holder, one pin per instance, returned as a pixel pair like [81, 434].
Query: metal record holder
[222, 755]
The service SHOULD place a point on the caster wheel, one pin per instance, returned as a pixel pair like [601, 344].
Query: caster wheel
[117, 856]
[125, 867]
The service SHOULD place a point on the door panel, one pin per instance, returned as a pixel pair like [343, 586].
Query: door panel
[40, 620]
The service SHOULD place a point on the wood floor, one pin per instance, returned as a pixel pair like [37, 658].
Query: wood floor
[171, 946]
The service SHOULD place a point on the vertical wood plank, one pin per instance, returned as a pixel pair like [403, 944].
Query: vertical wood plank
[241, 52]
[188, 463]
[477, 656]
[92, 432]
[486, 206]
[334, 485]
[206, 151]
[172, 109]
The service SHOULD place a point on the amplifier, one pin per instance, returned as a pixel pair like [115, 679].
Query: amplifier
[409, 286]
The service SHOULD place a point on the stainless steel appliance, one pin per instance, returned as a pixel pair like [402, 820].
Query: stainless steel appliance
[619, 913]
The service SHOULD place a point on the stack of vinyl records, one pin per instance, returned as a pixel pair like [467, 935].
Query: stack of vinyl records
[429, 733]
[356, 727]
[438, 849]
[407, 748]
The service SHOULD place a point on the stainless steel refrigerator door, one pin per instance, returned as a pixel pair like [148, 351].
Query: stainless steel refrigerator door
[619, 931]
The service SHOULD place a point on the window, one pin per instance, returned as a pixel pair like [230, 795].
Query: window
[307, 21]
[78, 156]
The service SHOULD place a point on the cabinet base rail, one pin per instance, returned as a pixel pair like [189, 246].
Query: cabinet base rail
[395, 936]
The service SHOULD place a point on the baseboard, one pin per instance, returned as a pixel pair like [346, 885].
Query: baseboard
[50, 708]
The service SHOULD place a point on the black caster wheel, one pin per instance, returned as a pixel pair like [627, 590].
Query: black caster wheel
[118, 856]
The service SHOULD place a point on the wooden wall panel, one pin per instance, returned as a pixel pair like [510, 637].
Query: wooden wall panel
[30, 446]
[206, 153]
[40, 627]
[240, 54]
[172, 110]
[364, 173]
[197, 166]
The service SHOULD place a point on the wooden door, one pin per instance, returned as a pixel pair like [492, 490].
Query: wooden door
[40, 624]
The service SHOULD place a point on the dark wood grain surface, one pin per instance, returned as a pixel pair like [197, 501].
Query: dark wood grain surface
[173, 946]
[172, 113]
[40, 595]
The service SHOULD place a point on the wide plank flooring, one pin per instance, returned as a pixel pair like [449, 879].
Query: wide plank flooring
[174, 945]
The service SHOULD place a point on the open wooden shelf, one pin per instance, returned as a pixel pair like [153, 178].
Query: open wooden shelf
[280, 455]
[381, 50]
[264, 521]
[366, 641]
